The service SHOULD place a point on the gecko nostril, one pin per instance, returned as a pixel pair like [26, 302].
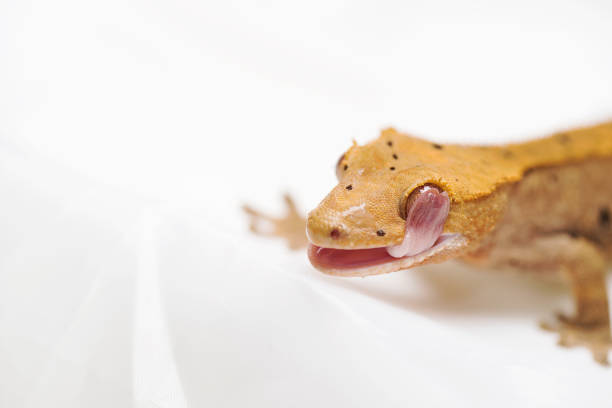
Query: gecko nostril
[335, 233]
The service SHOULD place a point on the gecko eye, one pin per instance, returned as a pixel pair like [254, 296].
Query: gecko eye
[340, 168]
[408, 199]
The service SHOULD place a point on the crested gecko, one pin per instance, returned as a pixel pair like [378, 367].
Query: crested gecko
[542, 206]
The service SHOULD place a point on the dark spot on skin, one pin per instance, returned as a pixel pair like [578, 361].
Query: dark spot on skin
[604, 217]
[507, 154]
[573, 234]
[528, 171]
[515, 263]
[349, 187]
[389, 143]
[380, 233]
[563, 138]
[335, 233]
[437, 146]
[391, 168]
[395, 156]
[554, 177]
[345, 167]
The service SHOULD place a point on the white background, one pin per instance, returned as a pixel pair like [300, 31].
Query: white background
[132, 131]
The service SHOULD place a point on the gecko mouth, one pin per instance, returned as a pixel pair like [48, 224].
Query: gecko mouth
[427, 210]
[369, 261]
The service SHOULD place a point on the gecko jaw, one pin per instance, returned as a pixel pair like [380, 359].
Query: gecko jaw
[375, 261]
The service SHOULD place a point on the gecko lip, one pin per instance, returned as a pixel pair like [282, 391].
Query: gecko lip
[427, 210]
[373, 260]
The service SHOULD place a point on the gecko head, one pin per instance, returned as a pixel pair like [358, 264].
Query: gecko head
[392, 209]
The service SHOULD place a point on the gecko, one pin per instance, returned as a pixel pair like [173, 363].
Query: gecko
[543, 206]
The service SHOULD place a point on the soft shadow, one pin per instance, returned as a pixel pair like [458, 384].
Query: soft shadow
[456, 289]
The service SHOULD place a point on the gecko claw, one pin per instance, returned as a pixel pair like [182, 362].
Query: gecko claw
[256, 219]
[291, 227]
[572, 333]
[290, 204]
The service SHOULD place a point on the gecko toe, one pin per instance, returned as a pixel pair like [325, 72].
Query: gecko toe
[596, 338]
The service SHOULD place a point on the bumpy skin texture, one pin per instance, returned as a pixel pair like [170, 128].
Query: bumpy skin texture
[382, 174]
[543, 206]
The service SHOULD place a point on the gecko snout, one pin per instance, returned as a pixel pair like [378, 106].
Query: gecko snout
[324, 228]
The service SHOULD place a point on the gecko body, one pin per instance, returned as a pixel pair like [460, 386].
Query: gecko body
[542, 206]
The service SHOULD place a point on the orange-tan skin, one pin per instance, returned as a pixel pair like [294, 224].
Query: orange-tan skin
[383, 173]
[539, 206]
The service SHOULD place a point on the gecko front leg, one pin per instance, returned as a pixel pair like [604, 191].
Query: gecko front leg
[583, 267]
[291, 227]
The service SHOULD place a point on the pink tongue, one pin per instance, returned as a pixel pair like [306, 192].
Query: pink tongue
[425, 220]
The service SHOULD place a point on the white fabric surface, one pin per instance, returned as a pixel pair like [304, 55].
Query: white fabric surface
[132, 131]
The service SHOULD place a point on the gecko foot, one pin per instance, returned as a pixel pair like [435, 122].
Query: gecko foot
[572, 333]
[291, 227]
